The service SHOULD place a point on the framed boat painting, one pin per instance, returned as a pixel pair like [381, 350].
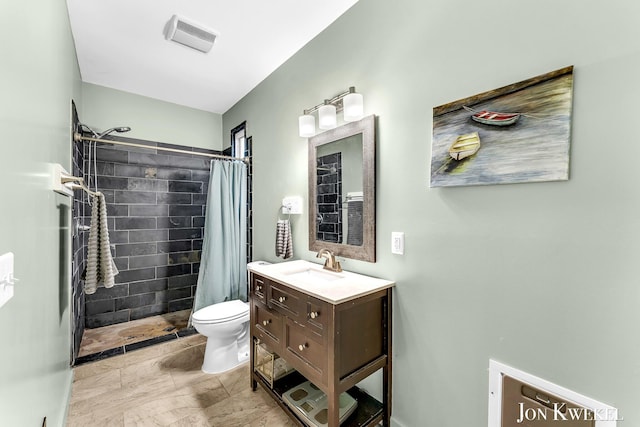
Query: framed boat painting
[514, 134]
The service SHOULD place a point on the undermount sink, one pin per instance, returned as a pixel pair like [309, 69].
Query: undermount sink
[313, 275]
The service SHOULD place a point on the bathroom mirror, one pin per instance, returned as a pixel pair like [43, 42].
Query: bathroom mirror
[342, 190]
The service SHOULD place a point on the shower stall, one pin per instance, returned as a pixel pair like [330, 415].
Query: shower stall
[156, 198]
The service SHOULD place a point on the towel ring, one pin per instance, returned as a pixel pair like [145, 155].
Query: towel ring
[288, 214]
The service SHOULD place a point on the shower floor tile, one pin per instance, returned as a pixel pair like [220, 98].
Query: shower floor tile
[100, 340]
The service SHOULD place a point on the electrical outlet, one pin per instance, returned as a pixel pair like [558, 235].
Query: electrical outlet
[397, 242]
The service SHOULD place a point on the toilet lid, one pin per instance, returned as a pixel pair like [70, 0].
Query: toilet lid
[224, 311]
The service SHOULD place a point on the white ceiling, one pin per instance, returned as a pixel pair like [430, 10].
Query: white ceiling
[120, 44]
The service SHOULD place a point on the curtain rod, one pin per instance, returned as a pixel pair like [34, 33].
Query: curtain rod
[78, 137]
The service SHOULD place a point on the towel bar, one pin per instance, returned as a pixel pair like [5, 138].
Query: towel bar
[64, 183]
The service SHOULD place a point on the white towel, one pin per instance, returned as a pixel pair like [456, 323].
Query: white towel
[284, 243]
[100, 265]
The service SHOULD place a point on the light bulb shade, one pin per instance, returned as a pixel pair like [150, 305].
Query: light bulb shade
[307, 125]
[327, 117]
[353, 107]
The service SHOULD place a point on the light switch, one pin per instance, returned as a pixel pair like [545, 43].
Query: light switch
[6, 277]
[397, 242]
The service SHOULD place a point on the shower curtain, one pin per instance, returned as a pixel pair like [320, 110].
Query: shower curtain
[223, 264]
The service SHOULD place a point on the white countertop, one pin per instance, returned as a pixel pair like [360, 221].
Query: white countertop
[311, 278]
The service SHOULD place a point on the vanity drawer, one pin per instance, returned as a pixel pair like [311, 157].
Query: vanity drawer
[286, 300]
[258, 288]
[268, 323]
[305, 346]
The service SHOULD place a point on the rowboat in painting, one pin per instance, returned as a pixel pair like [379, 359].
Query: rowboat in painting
[493, 118]
[466, 145]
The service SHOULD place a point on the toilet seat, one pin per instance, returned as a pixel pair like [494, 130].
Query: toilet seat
[222, 312]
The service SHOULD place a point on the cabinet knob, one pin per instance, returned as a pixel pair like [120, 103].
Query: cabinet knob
[303, 346]
[266, 322]
[258, 288]
[282, 299]
[314, 314]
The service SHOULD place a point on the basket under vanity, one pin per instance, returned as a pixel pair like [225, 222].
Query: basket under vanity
[334, 329]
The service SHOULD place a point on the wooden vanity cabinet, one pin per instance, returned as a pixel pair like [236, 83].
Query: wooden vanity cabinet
[334, 346]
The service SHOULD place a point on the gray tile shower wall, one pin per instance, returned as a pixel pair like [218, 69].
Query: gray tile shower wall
[78, 257]
[156, 205]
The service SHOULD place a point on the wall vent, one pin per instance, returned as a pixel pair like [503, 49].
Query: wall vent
[519, 399]
[190, 34]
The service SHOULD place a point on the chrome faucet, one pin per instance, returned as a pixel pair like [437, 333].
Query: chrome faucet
[330, 263]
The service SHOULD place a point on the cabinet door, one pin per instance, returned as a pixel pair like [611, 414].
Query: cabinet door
[305, 351]
[267, 325]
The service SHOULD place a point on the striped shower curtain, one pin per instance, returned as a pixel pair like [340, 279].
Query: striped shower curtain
[223, 264]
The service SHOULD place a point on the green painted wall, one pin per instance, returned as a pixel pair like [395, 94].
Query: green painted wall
[38, 78]
[549, 281]
[149, 118]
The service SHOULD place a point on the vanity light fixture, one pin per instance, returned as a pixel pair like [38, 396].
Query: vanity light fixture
[327, 116]
[307, 125]
[350, 102]
[353, 107]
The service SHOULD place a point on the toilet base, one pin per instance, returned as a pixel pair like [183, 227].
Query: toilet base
[222, 359]
[243, 353]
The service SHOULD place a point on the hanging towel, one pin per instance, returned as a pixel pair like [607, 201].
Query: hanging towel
[284, 243]
[100, 266]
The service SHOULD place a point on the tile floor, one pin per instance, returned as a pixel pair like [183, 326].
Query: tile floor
[122, 334]
[163, 385]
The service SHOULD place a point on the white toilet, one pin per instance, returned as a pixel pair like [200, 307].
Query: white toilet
[226, 326]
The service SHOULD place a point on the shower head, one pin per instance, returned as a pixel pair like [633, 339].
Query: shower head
[116, 129]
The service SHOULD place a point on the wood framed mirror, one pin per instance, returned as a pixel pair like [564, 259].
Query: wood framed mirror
[342, 190]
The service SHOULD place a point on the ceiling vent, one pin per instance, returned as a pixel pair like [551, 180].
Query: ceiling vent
[190, 34]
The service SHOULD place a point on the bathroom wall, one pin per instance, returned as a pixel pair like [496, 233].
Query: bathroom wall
[150, 119]
[155, 207]
[540, 276]
[38, 78]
